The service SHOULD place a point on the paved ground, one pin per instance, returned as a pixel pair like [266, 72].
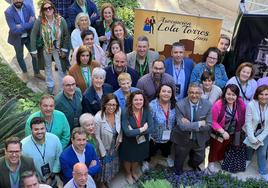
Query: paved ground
[182, 6]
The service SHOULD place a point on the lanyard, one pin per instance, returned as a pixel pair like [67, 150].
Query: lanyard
[177, 72]
[262, 118]
[15, 178]
[242, 91]
[42, 155]
[49, 125]
[142, 68]
[166, 114]
[107, 29]
[86, 78]
[138, 119]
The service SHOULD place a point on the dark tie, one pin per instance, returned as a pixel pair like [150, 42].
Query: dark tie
[193, 134]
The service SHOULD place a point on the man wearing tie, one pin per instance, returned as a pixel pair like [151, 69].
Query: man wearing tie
[192, 131]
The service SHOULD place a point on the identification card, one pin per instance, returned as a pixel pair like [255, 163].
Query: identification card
[45, 169]
[178, 88]
[140, 139]
[166, 135]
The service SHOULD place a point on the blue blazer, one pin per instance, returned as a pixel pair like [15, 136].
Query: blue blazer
[75, 9]
[13, 18]
[188, 67]
[91, 103]
[68, 159]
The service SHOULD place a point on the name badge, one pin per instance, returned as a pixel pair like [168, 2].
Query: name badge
[166, 135]
[45, 169]
[140, 139]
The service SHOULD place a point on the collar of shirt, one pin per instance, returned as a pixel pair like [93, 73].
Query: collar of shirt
[181, 64]
[9, 168]
[81, 157]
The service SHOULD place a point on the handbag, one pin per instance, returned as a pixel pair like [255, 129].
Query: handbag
[235, 159]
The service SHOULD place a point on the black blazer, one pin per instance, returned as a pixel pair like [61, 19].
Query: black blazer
[26, 164]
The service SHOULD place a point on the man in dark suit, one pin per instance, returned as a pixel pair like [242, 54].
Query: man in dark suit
[79, 151]
[13, 164]
[193, 117]
[20, 19]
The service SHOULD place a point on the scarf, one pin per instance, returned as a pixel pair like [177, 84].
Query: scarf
[51, 33]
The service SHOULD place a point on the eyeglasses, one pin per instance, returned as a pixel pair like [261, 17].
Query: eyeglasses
[111, 105]
[70, 85]
[213, 58]
[13, 152]
[47, 8]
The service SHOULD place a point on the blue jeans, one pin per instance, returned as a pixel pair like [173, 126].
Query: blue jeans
[261, 157]
[20, 58]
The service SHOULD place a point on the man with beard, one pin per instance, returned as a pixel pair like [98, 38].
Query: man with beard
[180, 68]
[141, 60]
[150, 82]
[20, 19]
[79, 151]
[119, 66]
[55, 121]
[45, 149]
[13, 164]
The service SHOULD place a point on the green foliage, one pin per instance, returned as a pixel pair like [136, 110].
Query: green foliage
[12, 122]
[30, 103]
[159, 183]
[11, 85]
[124, 11]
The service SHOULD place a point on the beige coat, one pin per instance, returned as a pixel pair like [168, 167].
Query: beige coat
[104, 133]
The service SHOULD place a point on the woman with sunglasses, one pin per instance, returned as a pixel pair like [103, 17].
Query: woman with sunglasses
[50, 35]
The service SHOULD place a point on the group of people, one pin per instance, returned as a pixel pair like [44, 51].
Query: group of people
[119, 106]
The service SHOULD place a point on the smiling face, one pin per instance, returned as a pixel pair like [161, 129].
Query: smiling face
[245, 74]
[13, 153]
[115, 48]
[212, 59]
[194, 94]
[83, 23]
[38, 132]
[263, 97]
[110, 106]
[69, 86]
[119, 32]
[165, 93]
[47, 106]
[125, 85]
[138, 102]
[108, 14]
[230, 96]
[177, 53]
[84, 58]
[120, 62]
[142, 48]
[158, 70]
[207, 84]
[97, 81]
[89, 126]
[79, 142]
[88, 41]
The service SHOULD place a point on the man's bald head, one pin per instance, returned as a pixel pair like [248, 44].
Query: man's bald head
[69, 86]
[120, 62]
[80, 174]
